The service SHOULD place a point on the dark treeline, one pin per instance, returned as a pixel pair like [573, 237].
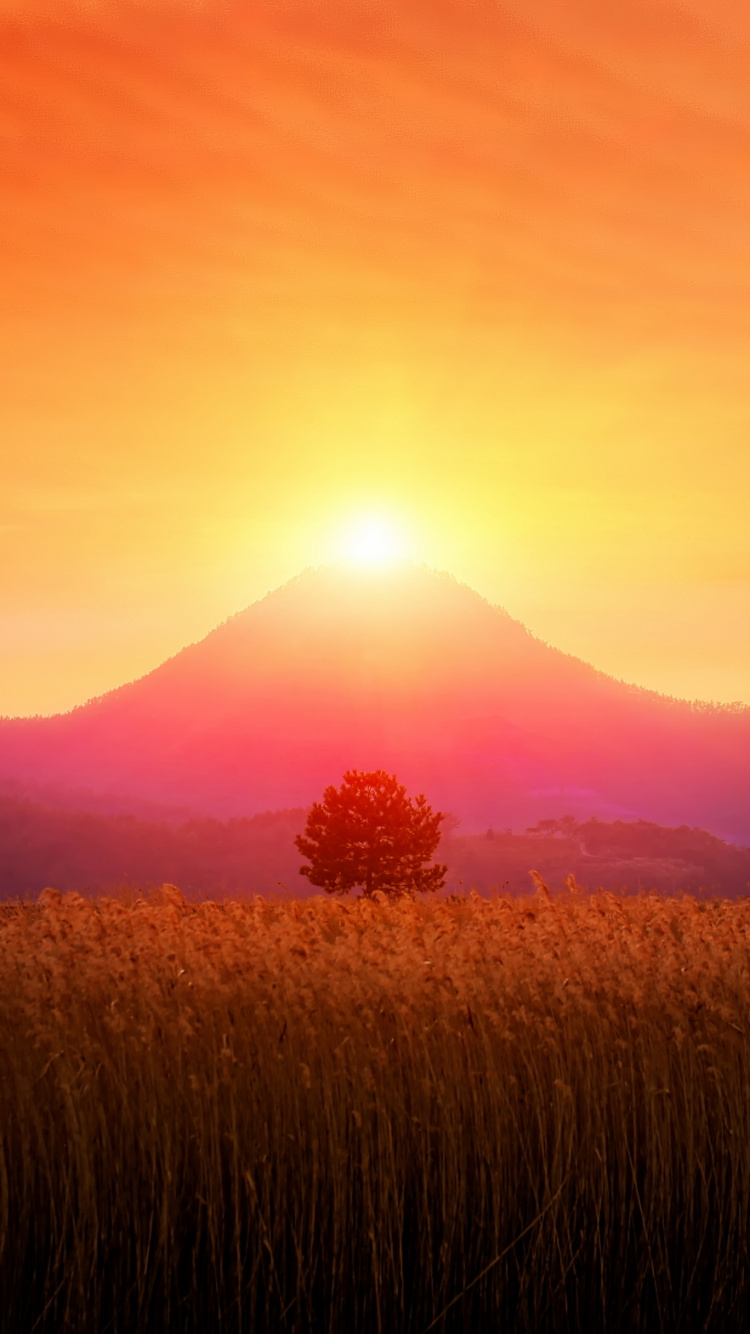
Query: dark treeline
[79, 850]
[91, 852]
[632, 855]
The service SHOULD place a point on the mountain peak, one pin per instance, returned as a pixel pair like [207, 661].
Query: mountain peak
[399, 668]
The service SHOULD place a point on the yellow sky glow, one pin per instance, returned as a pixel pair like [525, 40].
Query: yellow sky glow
[479, 270]
[372, 540]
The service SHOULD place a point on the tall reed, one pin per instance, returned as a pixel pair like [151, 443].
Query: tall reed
[325, 1116]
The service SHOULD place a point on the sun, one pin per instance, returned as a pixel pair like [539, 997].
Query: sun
[373, 541]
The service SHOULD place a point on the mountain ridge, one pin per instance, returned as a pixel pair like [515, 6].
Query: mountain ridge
[697, 705]
[403, 669]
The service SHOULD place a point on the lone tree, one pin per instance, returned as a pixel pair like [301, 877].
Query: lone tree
[368, 833]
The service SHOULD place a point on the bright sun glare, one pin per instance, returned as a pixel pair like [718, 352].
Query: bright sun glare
[372, 541]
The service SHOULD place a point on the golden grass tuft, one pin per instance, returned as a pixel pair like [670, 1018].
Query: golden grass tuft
[522, 1114]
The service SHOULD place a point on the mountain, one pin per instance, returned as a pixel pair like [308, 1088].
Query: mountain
[400, 669]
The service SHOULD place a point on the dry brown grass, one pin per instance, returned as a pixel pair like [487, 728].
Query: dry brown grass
[525, 1114]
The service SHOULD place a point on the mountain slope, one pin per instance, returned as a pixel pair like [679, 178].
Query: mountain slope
[405, 670]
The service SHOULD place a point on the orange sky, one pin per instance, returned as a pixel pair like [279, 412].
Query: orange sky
[483, 267]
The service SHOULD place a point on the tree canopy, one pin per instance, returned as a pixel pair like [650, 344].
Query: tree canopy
[369, 834]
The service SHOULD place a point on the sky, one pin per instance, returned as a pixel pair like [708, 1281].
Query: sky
[477, 270]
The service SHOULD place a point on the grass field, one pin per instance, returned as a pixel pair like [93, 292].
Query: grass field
[342, 1117]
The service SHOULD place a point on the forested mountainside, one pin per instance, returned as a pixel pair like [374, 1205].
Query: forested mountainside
[409, 672]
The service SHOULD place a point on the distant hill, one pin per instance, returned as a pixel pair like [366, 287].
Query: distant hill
[92, 853]
[404, 670]
[78, 850]
[629, 856]
[79, 799]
